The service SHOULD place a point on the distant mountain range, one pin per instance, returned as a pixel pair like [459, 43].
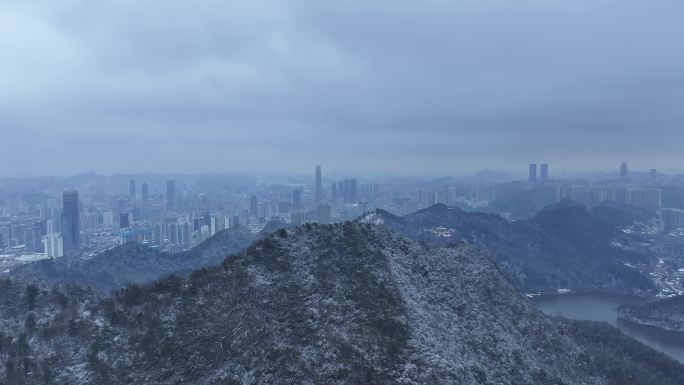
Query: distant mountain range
[335, 304]
[563, 246]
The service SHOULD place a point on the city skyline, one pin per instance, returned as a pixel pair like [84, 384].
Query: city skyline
[187, 213]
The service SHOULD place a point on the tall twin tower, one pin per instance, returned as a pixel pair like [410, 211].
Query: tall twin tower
[544, 172]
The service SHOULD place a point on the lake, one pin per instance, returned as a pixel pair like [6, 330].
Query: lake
[601, 307]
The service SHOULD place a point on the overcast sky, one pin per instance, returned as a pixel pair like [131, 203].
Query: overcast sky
[405, 87]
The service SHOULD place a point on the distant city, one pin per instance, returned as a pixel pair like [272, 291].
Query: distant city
[175, 215]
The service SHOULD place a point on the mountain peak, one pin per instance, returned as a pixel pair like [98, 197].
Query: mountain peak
[441, 207]
[348, 303]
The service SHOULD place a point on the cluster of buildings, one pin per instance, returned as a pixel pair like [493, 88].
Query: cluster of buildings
[646, 194]
[545, 190]
[175, 216]
[169, 216]
[638, 196]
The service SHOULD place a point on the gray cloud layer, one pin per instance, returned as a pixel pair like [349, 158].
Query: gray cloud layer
[406, 87]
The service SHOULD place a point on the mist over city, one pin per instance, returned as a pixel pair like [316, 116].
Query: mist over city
[341, 192]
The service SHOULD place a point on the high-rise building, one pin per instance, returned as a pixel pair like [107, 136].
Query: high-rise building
[108, 218]
[323, 211]
[646, 197]
[170, 195]
[349, 190]
[624, 172]
[333, 191]
[370, 191]
[262, 212]
[253, 206]
[205, 220]
[70, 221]
[124, 220]
[653, 174]
[52, 226]
[33, 236]
[319, 184]
[131, 188]
[90, 222]
[297, 199]
[54, 246]
[217, 224]
[544, 171]
[533, 173]
[145, 192]
[617, 194]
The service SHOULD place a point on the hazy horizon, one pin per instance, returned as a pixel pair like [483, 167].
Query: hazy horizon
[518, 174]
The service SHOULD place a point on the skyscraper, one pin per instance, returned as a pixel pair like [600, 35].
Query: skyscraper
[544, 172]
[297, 199]
[533, 172]
[131, 188]
[319, 184]
[333, 190]
[653, 174]
[170, 195]
[124, 220]
[53, 245]
[145, 192]
[70, 221]
[624, 172]
[253, 206]
[349, 190]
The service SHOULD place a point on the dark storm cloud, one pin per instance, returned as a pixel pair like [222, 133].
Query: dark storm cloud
[409, 87]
